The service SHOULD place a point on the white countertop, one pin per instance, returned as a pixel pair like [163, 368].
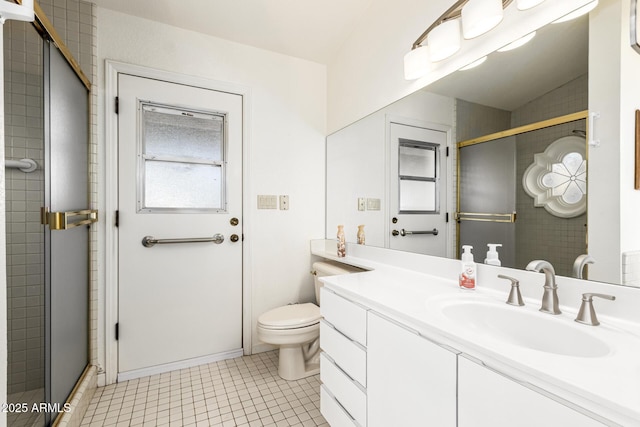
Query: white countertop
[607, 385]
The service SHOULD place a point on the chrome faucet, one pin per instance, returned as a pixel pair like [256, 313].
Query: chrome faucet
[550, 297]
[579, 263]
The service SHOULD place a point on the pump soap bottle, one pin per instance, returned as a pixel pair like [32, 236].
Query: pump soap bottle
[492, 254]
[468, 274]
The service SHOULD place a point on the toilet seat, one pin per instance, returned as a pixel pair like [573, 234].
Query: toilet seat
[291, 316]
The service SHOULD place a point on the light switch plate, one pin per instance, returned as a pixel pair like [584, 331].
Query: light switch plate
[362, 202]
[373, 204]
[284, 203]
[267, 202]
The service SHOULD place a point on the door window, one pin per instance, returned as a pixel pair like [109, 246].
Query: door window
[418, 176]
[181, 160]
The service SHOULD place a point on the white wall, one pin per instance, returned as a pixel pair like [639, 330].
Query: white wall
[356, 164]
[615, 94]
[288, 117]
[629, 103]
[604, 202]
[367, 73]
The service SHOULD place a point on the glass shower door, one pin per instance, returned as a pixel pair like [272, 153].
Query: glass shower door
[66, 243]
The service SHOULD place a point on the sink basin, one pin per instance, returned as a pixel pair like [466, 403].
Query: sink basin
[522, 327]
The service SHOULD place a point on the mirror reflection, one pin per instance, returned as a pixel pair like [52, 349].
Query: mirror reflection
[488, 185]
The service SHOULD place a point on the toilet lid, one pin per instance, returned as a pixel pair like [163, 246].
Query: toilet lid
[291, 316]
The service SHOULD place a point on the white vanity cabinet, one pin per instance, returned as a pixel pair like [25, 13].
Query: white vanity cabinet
[343, 362]
[489, 399]
[410, 381]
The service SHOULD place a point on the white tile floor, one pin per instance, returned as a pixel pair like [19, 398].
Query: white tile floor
[245, 391]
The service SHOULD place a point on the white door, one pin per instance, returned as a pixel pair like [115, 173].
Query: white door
[180, 177]
[417, 196]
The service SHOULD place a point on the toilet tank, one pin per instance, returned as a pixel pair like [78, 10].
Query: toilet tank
[328, 268]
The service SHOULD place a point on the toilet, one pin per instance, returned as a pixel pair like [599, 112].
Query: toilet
[296, 328]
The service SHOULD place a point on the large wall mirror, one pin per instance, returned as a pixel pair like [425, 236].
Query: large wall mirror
[525, 190]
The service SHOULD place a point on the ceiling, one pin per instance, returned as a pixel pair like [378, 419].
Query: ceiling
[312, 30]
[507, 80]
[316, 30]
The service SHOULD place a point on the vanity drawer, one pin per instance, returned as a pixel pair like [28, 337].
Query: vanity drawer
[347, 317]
[350, 356]
[331, 410]
[346, 391]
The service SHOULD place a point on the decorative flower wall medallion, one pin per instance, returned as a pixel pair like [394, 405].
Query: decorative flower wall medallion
[557, 178]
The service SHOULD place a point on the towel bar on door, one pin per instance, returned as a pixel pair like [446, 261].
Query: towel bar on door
[404, 232]
[150, 241]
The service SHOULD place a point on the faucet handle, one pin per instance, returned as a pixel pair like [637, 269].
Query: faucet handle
[587, 313]
[515, 298]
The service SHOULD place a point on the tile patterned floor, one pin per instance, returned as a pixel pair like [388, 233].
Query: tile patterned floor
[29, 418]
[245, 391]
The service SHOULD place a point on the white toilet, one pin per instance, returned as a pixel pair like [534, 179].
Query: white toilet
[296, 328]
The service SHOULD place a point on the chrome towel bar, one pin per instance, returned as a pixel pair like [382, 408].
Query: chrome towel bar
[404, 232]
[25, 165]
[150, 241]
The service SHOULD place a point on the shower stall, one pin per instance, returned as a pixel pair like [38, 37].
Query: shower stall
[522, 177]
[47, 226]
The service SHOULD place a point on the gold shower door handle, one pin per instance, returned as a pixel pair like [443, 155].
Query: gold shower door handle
[62, 220]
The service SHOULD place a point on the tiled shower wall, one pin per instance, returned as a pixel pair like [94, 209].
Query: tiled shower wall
[75, 22]
[540, 235]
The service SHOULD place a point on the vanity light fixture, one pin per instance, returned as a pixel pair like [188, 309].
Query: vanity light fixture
[17, 12]
[520, 42]
[416, 63]
[528, 4]
[443, 38]
[578, 12]
[480, 16]
[474, 64]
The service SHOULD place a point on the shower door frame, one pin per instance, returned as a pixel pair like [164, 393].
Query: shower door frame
[112, 69]
[568, 118]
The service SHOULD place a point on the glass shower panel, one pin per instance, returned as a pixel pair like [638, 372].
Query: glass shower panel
[23, 78]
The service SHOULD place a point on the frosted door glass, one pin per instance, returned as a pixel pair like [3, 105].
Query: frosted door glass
[418, 162]
[176, 133]
[417, 196]
[182, 185]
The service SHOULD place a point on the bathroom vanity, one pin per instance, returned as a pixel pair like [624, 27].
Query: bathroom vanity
[405, 347]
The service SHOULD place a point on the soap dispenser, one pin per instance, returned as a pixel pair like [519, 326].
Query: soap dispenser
[468, 273]
[492, 254]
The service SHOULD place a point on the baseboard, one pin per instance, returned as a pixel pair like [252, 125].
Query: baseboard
[262, 347]
[182, 364]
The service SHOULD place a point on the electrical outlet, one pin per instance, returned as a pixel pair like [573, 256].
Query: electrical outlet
[284, 203]
[362, 204]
